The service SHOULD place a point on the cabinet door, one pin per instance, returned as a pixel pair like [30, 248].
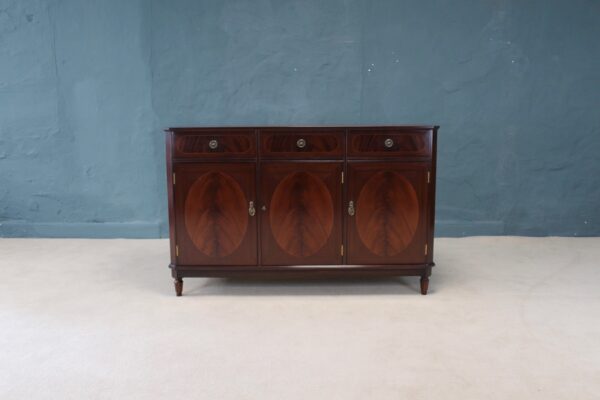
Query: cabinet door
[386, 213]
[215, 214]
[301, 214]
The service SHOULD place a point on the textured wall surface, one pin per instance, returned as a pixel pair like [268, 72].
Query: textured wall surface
[87, 86]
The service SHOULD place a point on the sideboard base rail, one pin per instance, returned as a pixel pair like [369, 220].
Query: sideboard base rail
[302, 272]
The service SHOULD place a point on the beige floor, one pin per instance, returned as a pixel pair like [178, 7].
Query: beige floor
[506, 318]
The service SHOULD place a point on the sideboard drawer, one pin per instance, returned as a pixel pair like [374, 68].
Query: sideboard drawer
[235, 143]
[391, 143]
[301, 143]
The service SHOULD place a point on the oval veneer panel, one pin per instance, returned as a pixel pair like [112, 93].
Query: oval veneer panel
[216, 214]
[387, 213]
[301, 214]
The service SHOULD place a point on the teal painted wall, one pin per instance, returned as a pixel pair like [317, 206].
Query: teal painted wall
[86, 88]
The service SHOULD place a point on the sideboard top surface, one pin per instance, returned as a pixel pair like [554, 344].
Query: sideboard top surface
[302, 127]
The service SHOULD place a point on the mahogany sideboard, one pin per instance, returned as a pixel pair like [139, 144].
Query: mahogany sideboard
[301, 201]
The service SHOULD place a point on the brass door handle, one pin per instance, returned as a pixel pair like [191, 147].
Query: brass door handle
[251, 209]
[351, 208]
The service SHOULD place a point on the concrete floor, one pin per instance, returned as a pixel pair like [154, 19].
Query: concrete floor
[506, 318]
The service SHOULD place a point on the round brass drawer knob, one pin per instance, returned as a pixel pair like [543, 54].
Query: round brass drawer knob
[388, 143]
[301, 143]
[213, 144]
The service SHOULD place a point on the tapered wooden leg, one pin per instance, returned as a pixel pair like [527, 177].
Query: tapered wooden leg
[424, 284]
[178, 286]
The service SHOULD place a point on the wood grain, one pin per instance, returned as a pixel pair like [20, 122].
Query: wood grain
[318, 144]
[302, 221]
[212, 222]
[373, 143]
[390, 221]
[301, 215]
[238, 143]
[216, 214]
[387, 213]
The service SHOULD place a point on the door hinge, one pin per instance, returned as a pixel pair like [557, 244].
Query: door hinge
[428, 176]
[173, 178]
[342, 177]
[341, 250]
[176, 251]
[425, 248]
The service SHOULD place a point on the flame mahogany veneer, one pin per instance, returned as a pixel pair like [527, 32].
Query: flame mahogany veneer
[301, 201]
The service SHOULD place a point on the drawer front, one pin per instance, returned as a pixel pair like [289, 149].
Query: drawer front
[302, 144]
[392, 143]
[234, 143]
